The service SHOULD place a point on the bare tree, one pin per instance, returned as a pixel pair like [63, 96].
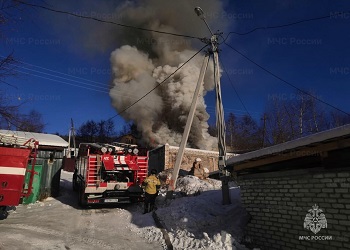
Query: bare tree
[291, 118]
[264, 137]
[231, 129]
[91, 131]
[312, 117]
[243, 133]
[88, 131]
[338, 119]
[105, 130]
[8, 114]
[11, 13]
[32, 122]
[279, 121]
[7, 67]
[10, 117]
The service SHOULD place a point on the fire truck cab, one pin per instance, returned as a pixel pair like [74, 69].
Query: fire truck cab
[109, 173]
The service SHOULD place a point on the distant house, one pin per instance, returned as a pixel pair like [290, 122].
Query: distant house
[49, 158]
[128, 139]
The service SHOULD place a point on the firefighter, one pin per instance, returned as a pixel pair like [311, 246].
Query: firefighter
[197, 169]
[151, 186]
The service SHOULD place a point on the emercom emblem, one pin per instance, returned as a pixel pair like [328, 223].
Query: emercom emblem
[315, 220]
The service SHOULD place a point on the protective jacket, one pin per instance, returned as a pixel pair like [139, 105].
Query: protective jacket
[151, 184]
[199, 172]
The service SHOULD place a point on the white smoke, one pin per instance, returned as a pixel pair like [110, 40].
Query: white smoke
[161, 115]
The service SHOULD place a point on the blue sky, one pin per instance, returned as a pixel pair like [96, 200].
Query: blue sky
[67, 80]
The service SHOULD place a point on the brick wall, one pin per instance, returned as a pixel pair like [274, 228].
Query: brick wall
[278, 203]
[209, 159]
[164, 157]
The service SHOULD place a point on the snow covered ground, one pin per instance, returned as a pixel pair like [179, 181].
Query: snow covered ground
[194, 219]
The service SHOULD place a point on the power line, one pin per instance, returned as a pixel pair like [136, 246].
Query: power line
[282, 80]
[71, 84]
[60, 77]
[159, 83]
[239, 98]
[286, 25]
[97, 88]
[181, 35]
[55, 80]
[88, 87]
[55, 71]
[104, 90]
[104, 21]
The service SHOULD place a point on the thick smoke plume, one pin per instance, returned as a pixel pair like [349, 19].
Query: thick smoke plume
[146, 58]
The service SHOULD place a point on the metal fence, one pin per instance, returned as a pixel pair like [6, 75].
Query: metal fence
[51, 162]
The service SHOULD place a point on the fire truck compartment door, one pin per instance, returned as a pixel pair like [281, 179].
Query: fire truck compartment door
[108, 162]
[13, 163]
[11, 188]
[129, 161]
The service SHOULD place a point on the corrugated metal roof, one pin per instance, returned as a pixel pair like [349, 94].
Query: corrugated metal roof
[21, 137]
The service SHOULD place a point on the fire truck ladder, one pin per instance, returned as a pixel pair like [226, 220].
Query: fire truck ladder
[142, 163]
[93, 171]
[14, 140]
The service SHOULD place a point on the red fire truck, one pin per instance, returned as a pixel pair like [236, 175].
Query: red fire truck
[14, 159]
[109, 173]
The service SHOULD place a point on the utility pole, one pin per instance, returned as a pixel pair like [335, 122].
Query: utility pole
[189, 121]
[220, 121]
[71, 134]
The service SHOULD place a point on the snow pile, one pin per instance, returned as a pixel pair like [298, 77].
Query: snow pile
[144, 226]
[199, 220]
[191, 185]
[195, 218]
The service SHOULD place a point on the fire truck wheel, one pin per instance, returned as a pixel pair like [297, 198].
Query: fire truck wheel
[74, 182]
[3, 213]
[81, 201]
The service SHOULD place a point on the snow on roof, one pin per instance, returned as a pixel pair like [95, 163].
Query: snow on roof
[300, 142]
[20, 137]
